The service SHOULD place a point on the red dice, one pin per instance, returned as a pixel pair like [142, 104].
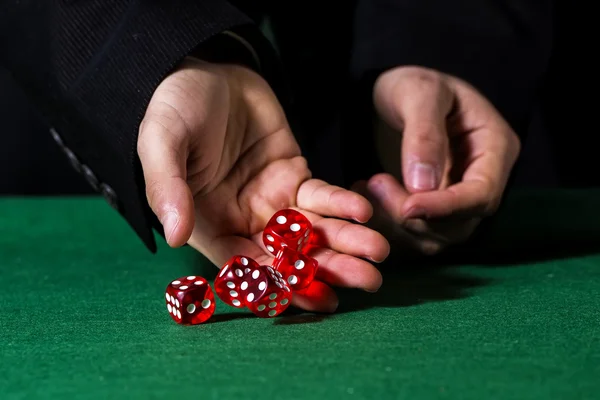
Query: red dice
[275, 299]
[233, 280]
[297, 269]
[242, 282]
[287, 228]
[190, 300]
[254, 284]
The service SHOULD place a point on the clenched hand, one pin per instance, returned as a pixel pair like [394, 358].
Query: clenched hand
[447, 153]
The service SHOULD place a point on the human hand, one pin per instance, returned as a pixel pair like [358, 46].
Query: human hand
[447, 154]
[219, 159]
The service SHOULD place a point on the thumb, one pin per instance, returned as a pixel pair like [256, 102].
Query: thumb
[416, 102]
[163, 156]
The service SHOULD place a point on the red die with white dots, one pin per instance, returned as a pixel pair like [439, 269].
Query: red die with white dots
[190, 300]
[298, 269]
[287, 228]
[254, 283]
[275, 299]
[233, 279]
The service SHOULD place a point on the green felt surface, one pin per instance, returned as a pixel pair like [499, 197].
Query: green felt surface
[82, 315]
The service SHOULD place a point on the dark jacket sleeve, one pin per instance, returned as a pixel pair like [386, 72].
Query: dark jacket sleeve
[90, 68]
[500, 47]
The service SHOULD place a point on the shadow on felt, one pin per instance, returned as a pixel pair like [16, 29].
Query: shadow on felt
[294, 316]
[226, 317]
[406, 283]
[533, 227]
[411, 286]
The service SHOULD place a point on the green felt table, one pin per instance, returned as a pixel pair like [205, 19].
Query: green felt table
[82, 315]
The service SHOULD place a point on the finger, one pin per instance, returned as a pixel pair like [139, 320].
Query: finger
[478, 195]
[389, 194]
[340, 254]
[469, 198]
[322, 198]
[163, 162]
[346, 271]
[348, 238]
[318, 297]
[389, 220]
[334, 268]
[417, 103]
[449, 230]
[490, 150]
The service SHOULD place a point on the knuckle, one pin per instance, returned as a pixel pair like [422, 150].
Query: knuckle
[515, 144]
[170, 117]
[424, 76]
[428, 81]
[492, 207]
[427, 133]
[509, 143]
[332, 196]
[300, 165]
[156, 128]
[419, 80]
[154, 191]
[429, 78]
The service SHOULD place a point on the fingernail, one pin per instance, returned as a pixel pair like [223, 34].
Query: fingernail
[414, 212]
[170, 221]
[373, 290]
[422, 176]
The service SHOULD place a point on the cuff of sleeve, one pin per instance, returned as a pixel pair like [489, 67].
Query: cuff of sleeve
[228, 47]
[113, 94]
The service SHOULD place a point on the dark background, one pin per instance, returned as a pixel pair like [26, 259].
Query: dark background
[559, 149]
[32, 164]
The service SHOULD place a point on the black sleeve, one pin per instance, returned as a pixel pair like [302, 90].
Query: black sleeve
[91, 67]
[500, 47]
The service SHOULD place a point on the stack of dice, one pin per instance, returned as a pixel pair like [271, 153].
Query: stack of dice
[266, 290]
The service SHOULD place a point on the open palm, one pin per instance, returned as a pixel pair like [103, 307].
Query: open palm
[219, 159]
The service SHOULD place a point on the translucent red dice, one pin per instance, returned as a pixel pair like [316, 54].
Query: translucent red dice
[275, 299]
[190, 300]
[254, 284]
[297, 269]
[242, 282]
[233, 279]
[287, 228]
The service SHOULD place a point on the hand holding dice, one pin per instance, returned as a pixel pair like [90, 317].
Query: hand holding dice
[242, 282]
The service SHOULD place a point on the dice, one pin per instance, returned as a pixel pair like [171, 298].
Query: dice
[287, 228]
[297, 269]
[232, 280]
[275, 299]
[242, 282]
[254, 284]
[190, 300]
